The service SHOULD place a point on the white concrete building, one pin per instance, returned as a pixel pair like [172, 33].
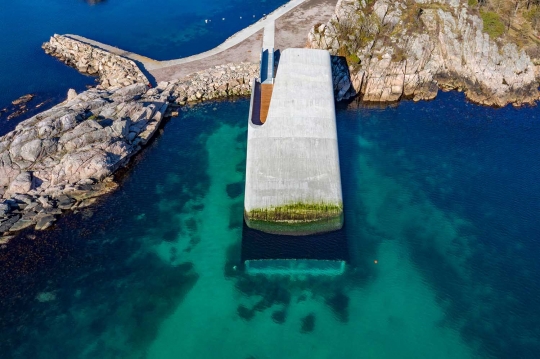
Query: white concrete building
[293, 183]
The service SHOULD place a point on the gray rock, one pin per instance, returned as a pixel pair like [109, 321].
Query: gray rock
[44, 222]
[131, 90]
[71, 147]
[45, 297]
[21, 184]
[449, 50]
[51, 210]
[45, 202]
[21, 224]
[23, 198]
[22, 100]
[5, 208]
[7, 224]
[29, 215]
[5, 239]
[64, 201]
[71, 95]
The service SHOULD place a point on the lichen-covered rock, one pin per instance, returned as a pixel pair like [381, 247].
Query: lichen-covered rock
[412, 48]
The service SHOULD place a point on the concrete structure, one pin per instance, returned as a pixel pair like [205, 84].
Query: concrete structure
[237, 38]
[262, 87]
[293, 183]
[295, 266]
[292, 22]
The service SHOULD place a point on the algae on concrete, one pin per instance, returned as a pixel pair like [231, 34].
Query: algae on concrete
[293, 182]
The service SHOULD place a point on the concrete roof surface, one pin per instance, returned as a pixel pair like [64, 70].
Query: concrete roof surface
[293, 157]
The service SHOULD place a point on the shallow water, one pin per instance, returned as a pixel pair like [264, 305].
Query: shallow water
[442, 194]
[160, 29]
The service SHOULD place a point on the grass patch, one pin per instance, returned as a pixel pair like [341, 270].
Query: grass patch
[493, 25]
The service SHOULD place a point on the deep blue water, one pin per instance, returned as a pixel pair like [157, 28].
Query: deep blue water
[161, 29]
[441, 199]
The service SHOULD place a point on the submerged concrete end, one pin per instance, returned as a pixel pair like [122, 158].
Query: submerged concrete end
[297, 228]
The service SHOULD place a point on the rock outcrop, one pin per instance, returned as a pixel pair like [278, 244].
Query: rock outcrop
[67, 151]
[113, 70]
[217, 82]
[412, 48]
[62, 158]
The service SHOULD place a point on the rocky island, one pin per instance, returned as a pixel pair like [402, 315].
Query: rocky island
[63, 158]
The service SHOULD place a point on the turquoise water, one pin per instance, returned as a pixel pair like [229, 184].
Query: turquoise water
[443, 195]
[441, 198]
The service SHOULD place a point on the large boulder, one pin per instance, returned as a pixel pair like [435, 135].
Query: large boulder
[71, 94]
[21, 184]
[30, 151]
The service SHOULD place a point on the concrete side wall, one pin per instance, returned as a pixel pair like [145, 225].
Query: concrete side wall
[292, 173]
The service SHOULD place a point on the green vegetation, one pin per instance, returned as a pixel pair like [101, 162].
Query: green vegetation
[352, 59]
[515, 21]
[493, 24]
[297, 228]
[358, 26]
[296, 212]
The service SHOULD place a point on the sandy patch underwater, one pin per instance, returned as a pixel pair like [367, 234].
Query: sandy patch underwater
[394, 314]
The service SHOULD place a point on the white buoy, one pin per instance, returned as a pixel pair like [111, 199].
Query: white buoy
[223, 19]
[240, 17]
[206, 21]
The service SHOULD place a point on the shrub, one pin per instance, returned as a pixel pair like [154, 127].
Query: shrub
[352, 59]
[493, 24]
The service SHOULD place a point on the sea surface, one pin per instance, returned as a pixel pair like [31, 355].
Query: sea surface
[442, 201]
[160, 29]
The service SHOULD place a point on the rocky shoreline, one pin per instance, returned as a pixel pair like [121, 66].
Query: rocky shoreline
[112, 70]
[63, 158]
[411, 48]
